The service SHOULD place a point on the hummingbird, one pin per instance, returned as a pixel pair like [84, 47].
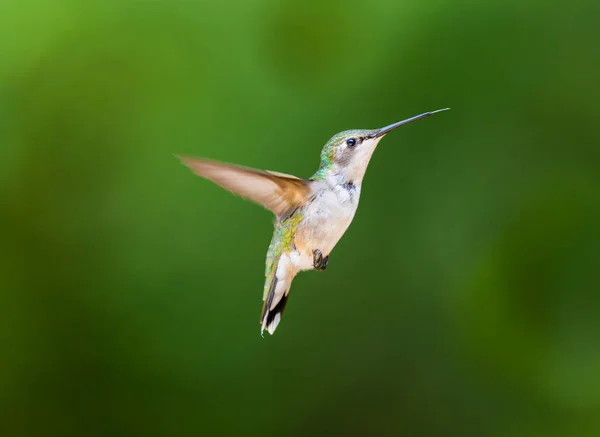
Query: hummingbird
[311, 215]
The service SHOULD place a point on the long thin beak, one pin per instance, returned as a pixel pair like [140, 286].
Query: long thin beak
[391, 127]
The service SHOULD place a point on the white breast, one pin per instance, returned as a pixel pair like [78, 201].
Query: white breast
[326, 219]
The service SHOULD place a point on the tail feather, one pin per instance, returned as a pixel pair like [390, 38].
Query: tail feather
[273, 316]
[277, 297]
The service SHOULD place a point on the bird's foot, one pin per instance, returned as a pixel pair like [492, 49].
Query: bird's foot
[319, 262]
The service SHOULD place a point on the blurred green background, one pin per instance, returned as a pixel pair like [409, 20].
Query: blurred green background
[464, 300]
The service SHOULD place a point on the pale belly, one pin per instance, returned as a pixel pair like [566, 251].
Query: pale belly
[325, 221]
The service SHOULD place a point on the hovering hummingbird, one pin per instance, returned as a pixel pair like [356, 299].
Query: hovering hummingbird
[311, 214]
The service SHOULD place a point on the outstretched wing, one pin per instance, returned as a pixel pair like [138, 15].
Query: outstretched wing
[277, 192]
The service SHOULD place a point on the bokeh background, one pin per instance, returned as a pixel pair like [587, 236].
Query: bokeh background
[464, 299]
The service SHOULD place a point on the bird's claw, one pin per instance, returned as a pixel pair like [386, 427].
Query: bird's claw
[319, 262]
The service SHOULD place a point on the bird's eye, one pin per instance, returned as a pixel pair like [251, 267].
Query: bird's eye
[351, 142]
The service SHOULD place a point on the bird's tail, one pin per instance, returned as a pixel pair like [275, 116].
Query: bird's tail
[277, 289]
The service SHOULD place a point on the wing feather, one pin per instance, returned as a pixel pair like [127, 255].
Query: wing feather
[278, 192]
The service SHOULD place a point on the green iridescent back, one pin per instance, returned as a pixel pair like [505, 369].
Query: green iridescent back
[283, 237]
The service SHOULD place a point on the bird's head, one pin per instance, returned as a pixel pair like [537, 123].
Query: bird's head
[349, 152]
